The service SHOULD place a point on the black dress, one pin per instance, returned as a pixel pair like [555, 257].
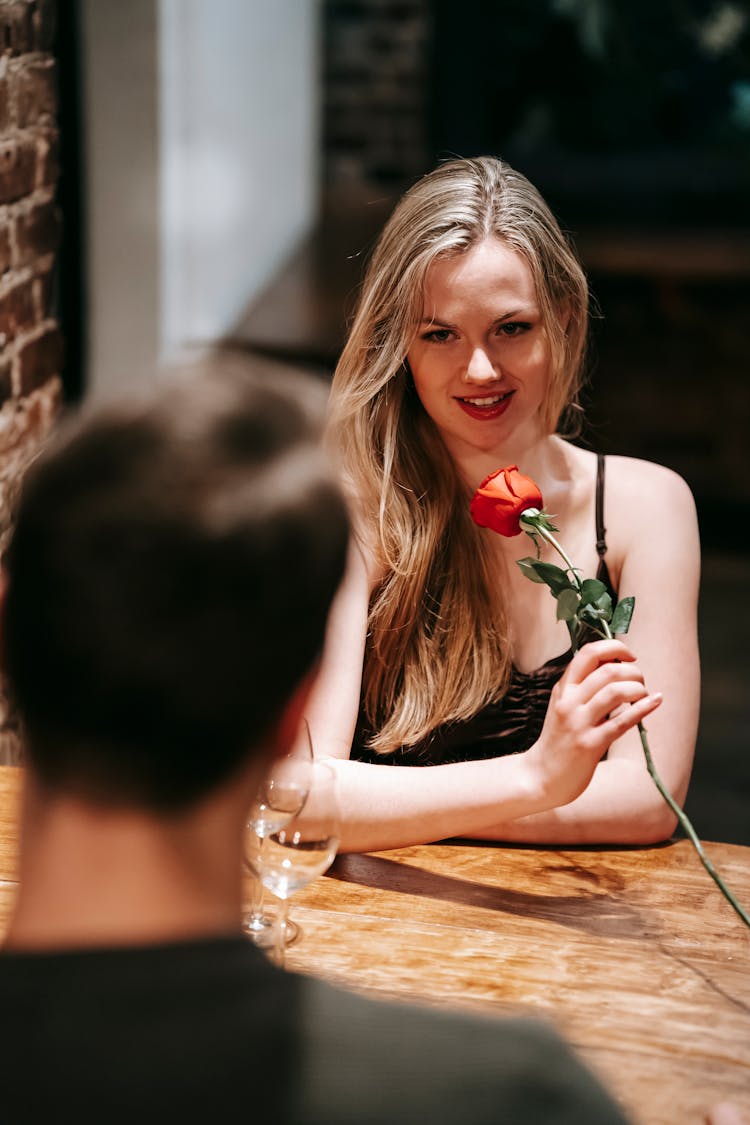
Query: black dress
[510, 725]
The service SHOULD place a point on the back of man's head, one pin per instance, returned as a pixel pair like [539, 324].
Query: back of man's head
[168, 582]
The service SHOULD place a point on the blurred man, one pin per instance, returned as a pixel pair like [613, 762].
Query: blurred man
[167, 588]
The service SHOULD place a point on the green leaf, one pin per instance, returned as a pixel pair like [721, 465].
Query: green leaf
[591, 591]
[604, 605]
[574, 631]
[554, 576]
[527, 566]
[539, 520]
[567, 605]
[622, 615]
[590, 615]
[601, 611]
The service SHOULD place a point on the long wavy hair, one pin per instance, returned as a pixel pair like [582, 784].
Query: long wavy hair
[438, 639]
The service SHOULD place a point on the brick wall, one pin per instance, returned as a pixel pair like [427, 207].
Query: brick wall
[375, 86]
[30, 342]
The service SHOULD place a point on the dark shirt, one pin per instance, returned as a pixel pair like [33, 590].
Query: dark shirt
[209, 1031]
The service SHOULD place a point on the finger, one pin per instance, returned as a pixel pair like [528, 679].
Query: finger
[627, 717]
[726, 1114]
[608, 701]
[593, 655]
[607, 674]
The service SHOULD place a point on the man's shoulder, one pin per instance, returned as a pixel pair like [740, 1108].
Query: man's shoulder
[379, 1061]
[194, 1024]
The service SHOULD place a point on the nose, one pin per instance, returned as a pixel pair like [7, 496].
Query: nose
[480, 368]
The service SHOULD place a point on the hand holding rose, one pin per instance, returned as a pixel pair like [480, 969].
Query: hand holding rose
[596, 700]
[587, 712]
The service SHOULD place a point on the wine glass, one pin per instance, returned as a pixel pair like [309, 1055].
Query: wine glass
[305, 847]
[280, 797]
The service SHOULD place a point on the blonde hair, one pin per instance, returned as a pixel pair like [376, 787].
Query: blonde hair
[437, 646]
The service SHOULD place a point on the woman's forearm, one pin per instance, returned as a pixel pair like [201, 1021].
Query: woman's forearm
[497, 799]
[620, 806]
[393, 806]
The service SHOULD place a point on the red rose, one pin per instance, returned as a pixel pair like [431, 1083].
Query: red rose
[501, 499]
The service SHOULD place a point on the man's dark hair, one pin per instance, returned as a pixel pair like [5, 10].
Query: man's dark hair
[169, 577]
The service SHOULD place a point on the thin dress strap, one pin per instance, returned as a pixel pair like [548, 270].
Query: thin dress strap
[601, 531]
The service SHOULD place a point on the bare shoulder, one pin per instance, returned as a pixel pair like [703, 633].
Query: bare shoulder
[648, 508]
[635, 487]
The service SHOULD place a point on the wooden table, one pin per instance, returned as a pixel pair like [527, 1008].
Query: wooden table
[632, 953]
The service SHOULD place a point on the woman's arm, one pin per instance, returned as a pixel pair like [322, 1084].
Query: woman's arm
[391, 806]
[600, 696]
[653, 539]
[333, 703]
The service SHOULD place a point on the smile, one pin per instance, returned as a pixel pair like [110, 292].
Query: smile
[486, 407]
[487, 401]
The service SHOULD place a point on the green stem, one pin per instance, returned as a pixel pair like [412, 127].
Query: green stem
[545, 534]
[684, 819]
[681, 816]
[687, 826]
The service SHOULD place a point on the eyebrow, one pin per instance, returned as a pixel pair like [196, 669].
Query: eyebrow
[528, 310]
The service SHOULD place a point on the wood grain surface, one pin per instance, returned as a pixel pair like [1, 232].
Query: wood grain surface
[632, 953]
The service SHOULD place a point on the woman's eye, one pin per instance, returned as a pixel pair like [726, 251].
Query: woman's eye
[437, 335]
[513, 328]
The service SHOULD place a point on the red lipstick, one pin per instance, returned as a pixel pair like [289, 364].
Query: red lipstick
[486, 413]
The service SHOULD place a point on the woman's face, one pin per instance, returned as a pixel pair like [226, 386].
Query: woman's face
[480, 359]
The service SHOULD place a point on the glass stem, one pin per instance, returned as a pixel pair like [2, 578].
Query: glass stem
[256, 889]
[281, 923]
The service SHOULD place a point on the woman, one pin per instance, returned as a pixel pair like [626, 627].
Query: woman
[465, 356]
